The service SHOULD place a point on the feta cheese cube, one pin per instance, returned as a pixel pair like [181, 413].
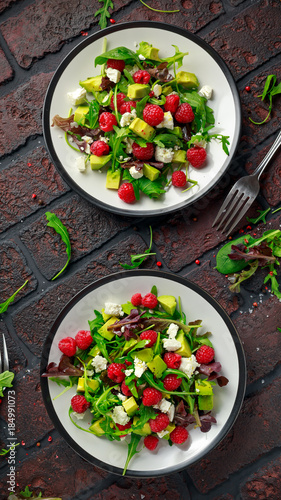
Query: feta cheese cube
[157, 90]
[113, 309]
[171, 344]
[171, 412]
[127, 118]
[90, 373]
[140, 367]
[104, 139]
[136, 174]
[99, 363]
[172, 330]
[141, 57]
[114, 75]
[76, 97]
[119, 416]
[121, 396]
[164, 154]
[79, 416]
[80, 163]
[87, 139]
[162, 433]
[167, 122]
[163, 405]
[188, 365]
[206, 91]
[129, 372]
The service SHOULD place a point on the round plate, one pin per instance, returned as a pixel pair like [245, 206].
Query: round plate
[202, 60]
[197, 304]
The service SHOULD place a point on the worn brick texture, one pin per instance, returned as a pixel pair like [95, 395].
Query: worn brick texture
[17, 360]
[6, 70]
[21, 113]
[28, 175]
[265, 484]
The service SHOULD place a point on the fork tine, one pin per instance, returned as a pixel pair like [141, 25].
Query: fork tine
[226, 202]
[235, 212]
[241, 214]
[235, 201]
[5, 355]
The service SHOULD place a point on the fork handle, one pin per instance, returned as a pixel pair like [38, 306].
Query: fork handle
[259, 170]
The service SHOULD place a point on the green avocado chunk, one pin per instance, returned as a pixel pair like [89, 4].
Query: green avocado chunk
[128, 307]
[205, 402]
[177, 131]
[141, 128]
[79, 115]
[203, 387]
[150, 172]
[130, 406]
[138, 90]
[184, 350]
[113, 179]
[187, 80]
[144, 430]
[104, 332]
[98, 162]
[92, 84]
[168, 302]
[157, 366]
[144, 354]
[148, 51]
[96, 429]
[179, 156]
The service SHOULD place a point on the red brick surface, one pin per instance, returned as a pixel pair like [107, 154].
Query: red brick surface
[6, 70]
[6, 3]
[17, 360]
[21, 113]
[88, 227]
[32, 174]
[264, 484]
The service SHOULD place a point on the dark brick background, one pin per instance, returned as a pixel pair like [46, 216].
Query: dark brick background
[34, 38]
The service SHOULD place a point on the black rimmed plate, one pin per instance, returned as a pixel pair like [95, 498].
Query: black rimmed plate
[202, 60]
[197, 304]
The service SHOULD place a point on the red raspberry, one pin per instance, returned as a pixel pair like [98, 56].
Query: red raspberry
[116, 64]
[172, 360]
[126, 192]
[151, 396]
[99, 148]
[196, 156]
[150, 442]
[171, 382]
[83, 339]
[184, 113]
[106, 121]
[114, 372]
[149, 335]
[150, 301]
[159, 423]
[178, 178]
[172, 102]
[126, 107]
[68, 346]
[179, 435]
[143, 153]
[128, 363]
[119, 100]
[153, 114]
[205, 354]
[79, 404]
[141, 76]
[124, 427]
[136, 299]
[125, 389]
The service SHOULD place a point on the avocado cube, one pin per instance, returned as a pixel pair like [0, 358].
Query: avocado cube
[145, 355]
[205, 402]
[142, 129]
[105, 316]
[168, 302]
[138, 90]
[79, 115]
[98, 162]
[130, 406]
[167, 90]
[187, 80]
[177, 131]
[96, 429]
[92, 84]
[169, 428]
[150, 172]
[184, 350]
[148, 51]
[104, 332]
[179, 156]
[113, 179]
[93, 385]
[94, 351]
[203, 387]
[157, 366]
[144, 430]
[128, 307]
[129, 344]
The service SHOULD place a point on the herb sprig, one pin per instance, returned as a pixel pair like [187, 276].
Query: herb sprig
[4, 306]
[103, 12]
[57, 225]
[137, 259]
[269, 91]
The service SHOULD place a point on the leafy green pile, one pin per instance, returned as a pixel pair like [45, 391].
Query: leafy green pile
[241, 258]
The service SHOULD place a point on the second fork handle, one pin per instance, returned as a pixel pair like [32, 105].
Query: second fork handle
[259, 170]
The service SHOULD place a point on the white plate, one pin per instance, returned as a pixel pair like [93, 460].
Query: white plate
[202, 60]
[197, 304]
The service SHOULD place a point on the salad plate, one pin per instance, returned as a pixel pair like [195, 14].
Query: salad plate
[196, 304]
[202, 61]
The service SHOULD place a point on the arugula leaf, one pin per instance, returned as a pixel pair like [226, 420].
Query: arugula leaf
[137, 259]
[61, 381]
[93, 114]
[103, 12]
[178, 57]
[274, 283]
[146, 413]
[167, 140]
[26, 493]
[270, 90]
[154, 290]
[244, 275]
[96, 323]
[4, 306]
[123, 53]
[4, 451]
[261, 217]
[132, 449]
[57, 225]
[279, 329]
[6, 379]
[140, 106]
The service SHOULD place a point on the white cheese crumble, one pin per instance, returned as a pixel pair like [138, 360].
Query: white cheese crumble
[164, 154]
[140, 367]
[89, 373]
[163, 405]
[171, 344]
[87, 139]
[80, 163]
[119, 416]
[99, 363]
[188, 365]
[114, 75]
[113, 309]
[167, 122]
[172, 331]
[129, 143]
[104, 139]
[198, 141]
[206, 91]
[121, 397]
[79, 416]
[162, 433]
[133, 69]
[127, 118]
[171, 412]
[157, 90]
[136, 174]
[128, 372]
[141, 57]
[76, 97]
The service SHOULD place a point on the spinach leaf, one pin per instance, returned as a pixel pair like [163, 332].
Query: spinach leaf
[4, 306]
[167, 140]
[224, 264]
[123, 53]
[153, 189]
[57, 225]
[132, 450]
[93, 114]
[6, 379]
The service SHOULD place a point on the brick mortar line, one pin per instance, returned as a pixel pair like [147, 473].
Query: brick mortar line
[31, 144]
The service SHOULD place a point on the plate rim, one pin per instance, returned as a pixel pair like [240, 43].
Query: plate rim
[96, 36]
[242, 378]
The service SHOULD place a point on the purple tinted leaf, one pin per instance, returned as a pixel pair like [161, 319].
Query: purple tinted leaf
[221, 380]
[65, 367]
[106, 84]
[214, 367]
[206, 422]
[262, 252]
[161, 72]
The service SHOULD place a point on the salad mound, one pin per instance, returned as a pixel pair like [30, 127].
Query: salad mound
[141, 371]
[141, 120]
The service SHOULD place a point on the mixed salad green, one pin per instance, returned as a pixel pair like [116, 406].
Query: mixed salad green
[142, 371]
[114, 130]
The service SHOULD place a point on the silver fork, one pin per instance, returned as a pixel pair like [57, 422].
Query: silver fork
[242, 195]
[4, 365]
